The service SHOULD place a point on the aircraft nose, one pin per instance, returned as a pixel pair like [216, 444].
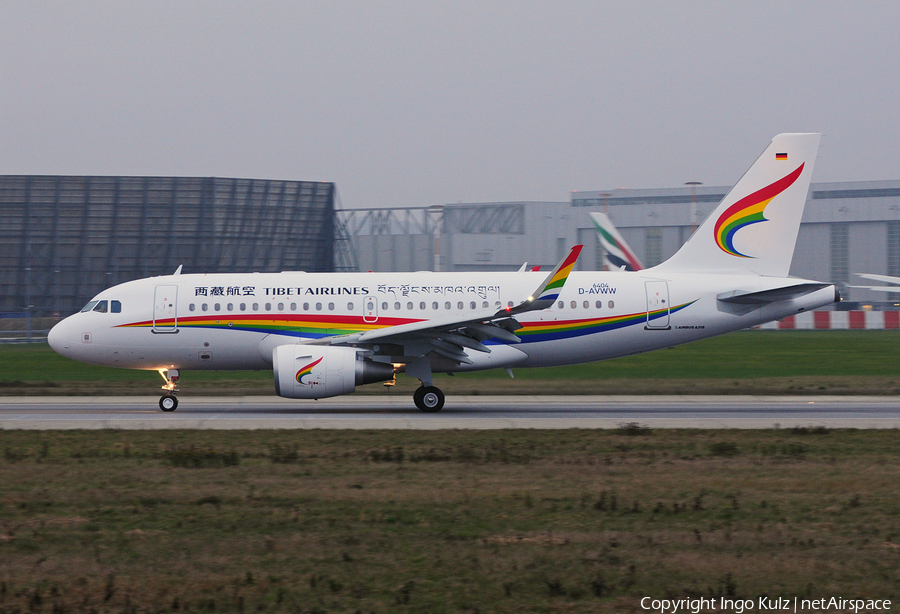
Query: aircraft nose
[59, 337]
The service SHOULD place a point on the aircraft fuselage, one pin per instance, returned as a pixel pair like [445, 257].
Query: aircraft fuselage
[234, 321]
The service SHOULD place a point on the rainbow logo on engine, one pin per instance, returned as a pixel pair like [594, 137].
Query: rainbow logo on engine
[304, 371]
[749, 210]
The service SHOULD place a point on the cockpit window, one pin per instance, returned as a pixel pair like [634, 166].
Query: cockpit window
[115, 306]
[89, 306]
[101, 307]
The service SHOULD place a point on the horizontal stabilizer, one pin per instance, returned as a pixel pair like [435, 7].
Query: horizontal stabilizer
[878, 288]
[764, 297]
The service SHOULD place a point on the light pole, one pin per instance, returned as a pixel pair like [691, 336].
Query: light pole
[693, 185]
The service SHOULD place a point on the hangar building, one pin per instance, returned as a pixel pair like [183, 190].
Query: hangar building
[65, 238]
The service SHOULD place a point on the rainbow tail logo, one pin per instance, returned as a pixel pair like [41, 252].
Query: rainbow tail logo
[749, 210]
[304, 371]
[732, 240]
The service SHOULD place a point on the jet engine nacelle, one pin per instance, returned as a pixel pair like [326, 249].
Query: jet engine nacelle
[314, 372]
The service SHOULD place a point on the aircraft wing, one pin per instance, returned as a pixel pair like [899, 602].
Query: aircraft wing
[450, 336]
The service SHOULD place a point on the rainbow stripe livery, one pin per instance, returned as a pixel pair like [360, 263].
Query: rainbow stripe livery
[306, 326]
[749, 210]
[344, 325]
[304, 371]
[534, 332]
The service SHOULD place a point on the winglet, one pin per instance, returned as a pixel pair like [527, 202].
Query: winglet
[547, 293]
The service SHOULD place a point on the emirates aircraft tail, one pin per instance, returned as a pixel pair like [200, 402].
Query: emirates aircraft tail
[617, 254]
[754, 228]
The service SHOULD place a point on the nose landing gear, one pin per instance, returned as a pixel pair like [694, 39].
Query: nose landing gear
[168, 401]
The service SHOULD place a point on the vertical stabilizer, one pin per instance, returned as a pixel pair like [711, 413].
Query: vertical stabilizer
[754, 228]
[617, 254]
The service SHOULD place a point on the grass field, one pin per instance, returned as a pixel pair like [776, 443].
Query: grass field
[503, 521]
[746, 362]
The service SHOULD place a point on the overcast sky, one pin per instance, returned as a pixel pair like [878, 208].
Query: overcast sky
[407, 104]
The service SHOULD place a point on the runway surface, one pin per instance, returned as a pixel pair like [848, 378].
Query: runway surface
[460, 412]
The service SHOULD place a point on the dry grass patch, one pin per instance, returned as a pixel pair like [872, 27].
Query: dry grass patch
[505, 521]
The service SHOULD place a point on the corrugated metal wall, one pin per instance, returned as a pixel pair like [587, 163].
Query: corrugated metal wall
[65, 238]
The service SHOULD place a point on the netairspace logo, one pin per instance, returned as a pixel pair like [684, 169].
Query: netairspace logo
[763, 604]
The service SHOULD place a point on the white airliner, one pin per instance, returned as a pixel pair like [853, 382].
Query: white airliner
[324, 334]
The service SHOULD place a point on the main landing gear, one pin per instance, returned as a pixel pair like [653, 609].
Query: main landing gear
[429, 398]
[168, 401]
